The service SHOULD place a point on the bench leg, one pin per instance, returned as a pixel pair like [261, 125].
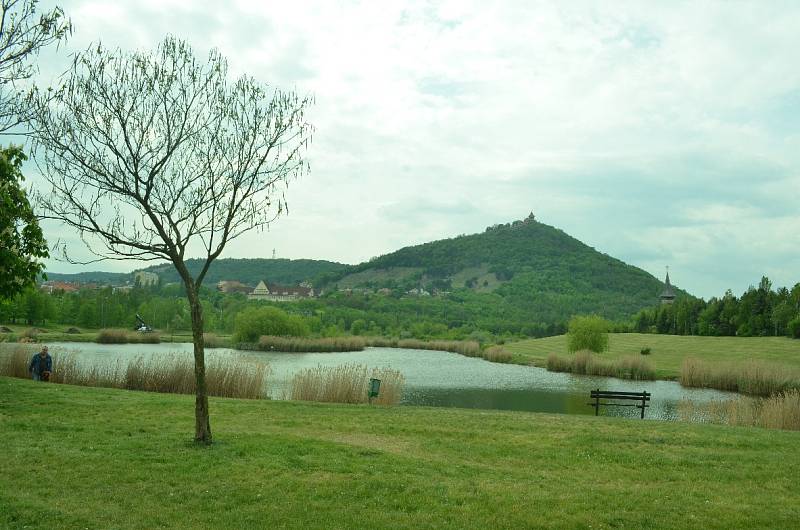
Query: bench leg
[642, 408]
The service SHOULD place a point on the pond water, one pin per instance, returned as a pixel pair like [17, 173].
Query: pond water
[441, 379]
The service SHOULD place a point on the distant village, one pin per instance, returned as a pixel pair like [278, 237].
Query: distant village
[264, 290]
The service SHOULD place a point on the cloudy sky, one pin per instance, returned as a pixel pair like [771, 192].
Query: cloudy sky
[661, 133]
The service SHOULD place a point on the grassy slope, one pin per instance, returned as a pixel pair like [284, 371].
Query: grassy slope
[668, 351]
[78, 457]
[57, 333]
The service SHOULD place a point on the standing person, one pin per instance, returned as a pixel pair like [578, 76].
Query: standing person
[41, 365]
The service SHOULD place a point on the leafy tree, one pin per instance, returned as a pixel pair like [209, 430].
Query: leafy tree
[155, 156]
[254, 322]
[21, 240]
[588, 333]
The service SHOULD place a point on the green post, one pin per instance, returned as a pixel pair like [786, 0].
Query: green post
[374, 388]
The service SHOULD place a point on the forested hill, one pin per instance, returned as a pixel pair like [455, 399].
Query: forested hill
[247, 271]
[251, 271]
[533, 267]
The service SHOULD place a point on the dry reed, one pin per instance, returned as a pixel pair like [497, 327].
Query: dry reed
[584, 363]
[496, 354]
[300, 344]
[124, 336]
[780, 411]
[755, 378]
[225, 376]
[346, 383]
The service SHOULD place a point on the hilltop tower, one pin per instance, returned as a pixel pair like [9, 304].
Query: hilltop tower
[668, 294]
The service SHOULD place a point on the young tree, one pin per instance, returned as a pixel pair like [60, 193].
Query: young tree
[159, 156]
[22, 35]
[588, 333]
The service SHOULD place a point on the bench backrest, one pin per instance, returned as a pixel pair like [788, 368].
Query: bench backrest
[611, 394]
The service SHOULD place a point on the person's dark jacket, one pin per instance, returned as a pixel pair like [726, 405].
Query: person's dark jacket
[40, 364]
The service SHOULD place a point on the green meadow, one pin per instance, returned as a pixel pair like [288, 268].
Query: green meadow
[77, 457]
[667, 352]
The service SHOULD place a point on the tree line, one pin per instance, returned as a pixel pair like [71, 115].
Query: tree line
[759, 312]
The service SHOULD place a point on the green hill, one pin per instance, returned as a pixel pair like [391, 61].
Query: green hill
[247, 271]
[251, 270]
[532, 266]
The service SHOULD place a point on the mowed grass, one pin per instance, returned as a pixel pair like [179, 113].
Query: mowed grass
[667, 352]
[97, 458]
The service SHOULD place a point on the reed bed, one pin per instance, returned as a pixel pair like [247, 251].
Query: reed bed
[496, 354]
[210, 340]
[753, 377]
[780, 411]
[124, 336]
[584, 363]
[225, 376]
[346, 383]
[301, 344]
[470, 348]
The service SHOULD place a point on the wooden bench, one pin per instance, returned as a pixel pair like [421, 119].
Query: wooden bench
[598, 394]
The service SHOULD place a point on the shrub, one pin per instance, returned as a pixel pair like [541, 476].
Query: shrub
[254, 322]
[645, 350]
[31, 334]
[588, 333]
[793, 328]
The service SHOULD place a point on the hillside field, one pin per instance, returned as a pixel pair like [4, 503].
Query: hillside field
[668, 351]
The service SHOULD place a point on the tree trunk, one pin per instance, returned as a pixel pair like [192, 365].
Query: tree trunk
[202, 424]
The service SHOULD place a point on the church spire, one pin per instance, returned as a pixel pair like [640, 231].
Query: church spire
[668, 294]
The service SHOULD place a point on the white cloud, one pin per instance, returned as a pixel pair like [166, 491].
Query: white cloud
[657, 132]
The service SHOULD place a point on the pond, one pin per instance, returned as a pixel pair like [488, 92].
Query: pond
[442, 379]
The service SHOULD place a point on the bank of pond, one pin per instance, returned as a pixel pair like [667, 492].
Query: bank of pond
[408, 377]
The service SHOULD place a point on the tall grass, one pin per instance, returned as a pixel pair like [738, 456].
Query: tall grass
[346, 383]
[225, 376]
[300, 344]
[496, 354]
[470, 348]
[780, 411]
[124, 336]
[584, 363]
[753, 377]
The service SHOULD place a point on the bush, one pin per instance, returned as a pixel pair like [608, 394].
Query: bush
[645, 350]
[793, 328]
[255, 322]
[588, 333]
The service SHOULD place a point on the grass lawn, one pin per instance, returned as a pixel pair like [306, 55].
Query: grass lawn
[668, 351]
[98, 458]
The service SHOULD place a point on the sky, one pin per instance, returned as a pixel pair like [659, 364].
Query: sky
[661, 133]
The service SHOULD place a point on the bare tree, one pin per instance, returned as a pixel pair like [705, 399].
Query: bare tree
[23, 34]
[156, 156]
